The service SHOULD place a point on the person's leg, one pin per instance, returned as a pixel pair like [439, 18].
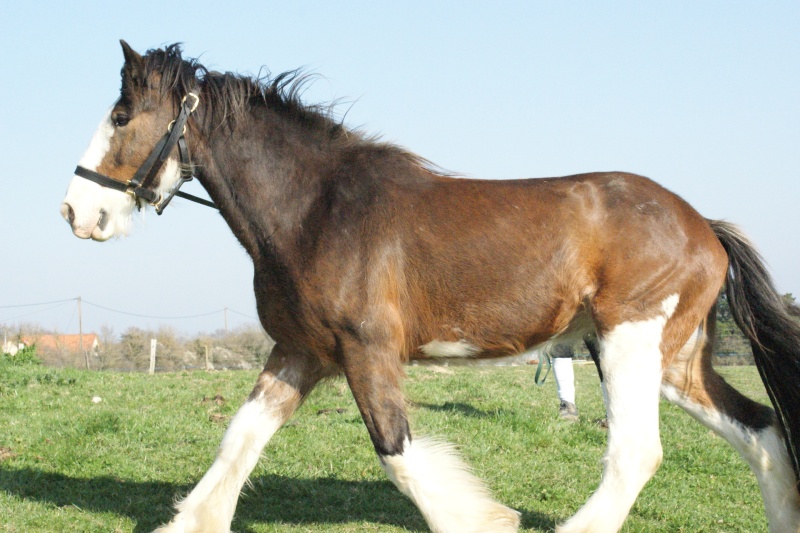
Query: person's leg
[565, 385]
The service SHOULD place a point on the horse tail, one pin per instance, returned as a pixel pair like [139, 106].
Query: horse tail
[771, 327]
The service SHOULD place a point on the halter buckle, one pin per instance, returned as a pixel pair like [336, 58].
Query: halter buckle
[130, 190]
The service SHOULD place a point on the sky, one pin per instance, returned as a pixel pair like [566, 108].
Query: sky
[703, 97]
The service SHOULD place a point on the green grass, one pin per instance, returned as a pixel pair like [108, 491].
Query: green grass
[67, 464]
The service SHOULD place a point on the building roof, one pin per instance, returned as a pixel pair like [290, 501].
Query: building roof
[70, 343]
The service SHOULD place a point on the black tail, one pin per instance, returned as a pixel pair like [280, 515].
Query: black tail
[768, 323]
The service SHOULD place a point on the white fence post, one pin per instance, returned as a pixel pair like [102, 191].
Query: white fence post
[153, 344]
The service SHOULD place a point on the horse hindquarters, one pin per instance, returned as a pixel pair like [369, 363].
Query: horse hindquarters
[430, 473]
[281, 387]
[757, 432]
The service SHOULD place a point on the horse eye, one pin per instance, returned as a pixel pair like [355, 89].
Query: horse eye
[120, 119]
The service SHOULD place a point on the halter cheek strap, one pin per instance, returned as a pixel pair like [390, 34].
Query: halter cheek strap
[146, 173]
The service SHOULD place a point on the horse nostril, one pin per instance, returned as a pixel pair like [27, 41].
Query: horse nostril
[68, 213]
[103, 220]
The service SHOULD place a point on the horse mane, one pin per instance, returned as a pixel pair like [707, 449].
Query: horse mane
[233, 96]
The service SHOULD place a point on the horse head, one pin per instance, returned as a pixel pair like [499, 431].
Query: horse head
[124, 144]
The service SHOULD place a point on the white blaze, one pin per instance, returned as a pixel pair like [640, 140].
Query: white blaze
[99, 212]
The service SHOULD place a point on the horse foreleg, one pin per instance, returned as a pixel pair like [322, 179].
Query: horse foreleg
[631, 364]
[430, 473]
[283, 384]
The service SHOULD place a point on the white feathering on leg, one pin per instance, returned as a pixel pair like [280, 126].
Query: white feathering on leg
[451, 499]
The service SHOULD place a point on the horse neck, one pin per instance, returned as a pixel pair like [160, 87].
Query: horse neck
[265, 179]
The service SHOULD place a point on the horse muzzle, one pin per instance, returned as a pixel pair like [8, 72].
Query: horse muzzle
[88, 227]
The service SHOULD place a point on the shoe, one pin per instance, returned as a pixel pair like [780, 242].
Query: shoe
[568, 411]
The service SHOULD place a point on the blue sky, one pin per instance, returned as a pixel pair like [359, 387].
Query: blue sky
[703, 97]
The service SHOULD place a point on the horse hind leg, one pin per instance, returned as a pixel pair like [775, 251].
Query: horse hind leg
[631, 365]
[450, 498]
[281, 387]
[750, 427]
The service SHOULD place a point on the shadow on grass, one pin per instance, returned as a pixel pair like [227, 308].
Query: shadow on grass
[146, 503]
[271, 499]
[461, 408]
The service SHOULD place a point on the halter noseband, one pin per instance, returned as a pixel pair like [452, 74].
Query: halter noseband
[146, 173]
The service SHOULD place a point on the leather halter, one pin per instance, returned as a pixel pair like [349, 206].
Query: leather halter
[146, 173]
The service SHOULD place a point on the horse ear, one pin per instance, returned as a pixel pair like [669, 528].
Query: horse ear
[133, 61]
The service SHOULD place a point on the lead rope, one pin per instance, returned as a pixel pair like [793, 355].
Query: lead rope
[543, 357]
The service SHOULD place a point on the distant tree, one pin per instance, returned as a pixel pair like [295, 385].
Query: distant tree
[135, 348]
[202, 347]
[251, 343]
[108, 355]
[169, 351]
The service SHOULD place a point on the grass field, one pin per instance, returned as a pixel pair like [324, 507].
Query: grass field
[68, 464]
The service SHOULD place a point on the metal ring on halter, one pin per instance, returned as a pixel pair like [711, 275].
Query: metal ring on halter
[196, 101]
[189, 110]
[169, 128]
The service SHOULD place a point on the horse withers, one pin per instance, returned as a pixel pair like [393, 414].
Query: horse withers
[367, 256]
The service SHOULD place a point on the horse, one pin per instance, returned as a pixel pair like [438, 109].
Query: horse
[367, 256]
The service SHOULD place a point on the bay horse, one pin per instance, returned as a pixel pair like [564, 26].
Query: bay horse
[367, 256]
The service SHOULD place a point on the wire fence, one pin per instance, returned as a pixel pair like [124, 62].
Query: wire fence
[248, 349]
[245, 347]
[44, 307]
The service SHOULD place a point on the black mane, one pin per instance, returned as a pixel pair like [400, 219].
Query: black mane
[233, 96]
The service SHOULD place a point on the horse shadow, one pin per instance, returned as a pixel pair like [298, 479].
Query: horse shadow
[270, 499]
[461, 408]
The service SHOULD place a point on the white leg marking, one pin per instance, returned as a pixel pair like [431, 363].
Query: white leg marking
[766, 454]
[212, 503]
[450, 498]
[632, 374]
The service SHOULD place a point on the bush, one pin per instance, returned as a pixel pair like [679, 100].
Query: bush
[26, 356]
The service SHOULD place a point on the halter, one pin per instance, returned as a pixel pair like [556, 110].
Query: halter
[137, 185]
